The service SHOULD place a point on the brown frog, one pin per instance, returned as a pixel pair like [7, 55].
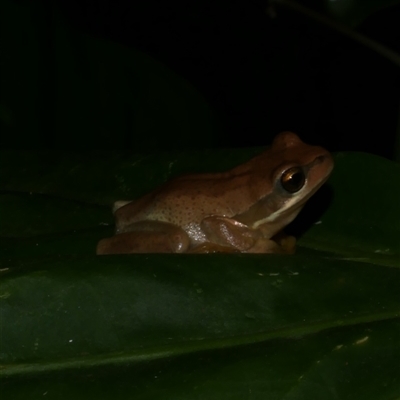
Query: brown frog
[241, 210]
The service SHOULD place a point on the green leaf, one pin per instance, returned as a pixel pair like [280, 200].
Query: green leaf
[322, 324]
[81, 318]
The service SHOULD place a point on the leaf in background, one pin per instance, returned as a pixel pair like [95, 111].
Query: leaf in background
[354, 12]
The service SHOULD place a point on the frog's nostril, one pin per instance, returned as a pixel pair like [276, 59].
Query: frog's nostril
[320, 159]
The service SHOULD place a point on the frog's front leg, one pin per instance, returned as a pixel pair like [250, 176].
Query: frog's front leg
[146, 237]
[227, 233]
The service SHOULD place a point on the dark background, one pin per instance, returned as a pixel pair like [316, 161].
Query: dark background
[251, 69]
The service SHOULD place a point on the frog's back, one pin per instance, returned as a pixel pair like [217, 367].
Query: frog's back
[187, 200]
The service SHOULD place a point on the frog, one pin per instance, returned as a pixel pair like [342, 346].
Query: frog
[242, 210]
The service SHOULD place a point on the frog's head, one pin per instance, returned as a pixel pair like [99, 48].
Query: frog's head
[284, 177]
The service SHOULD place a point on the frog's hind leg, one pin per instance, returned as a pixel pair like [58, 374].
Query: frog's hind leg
[146, 237]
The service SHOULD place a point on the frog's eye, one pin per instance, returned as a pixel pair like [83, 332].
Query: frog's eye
[293, 179]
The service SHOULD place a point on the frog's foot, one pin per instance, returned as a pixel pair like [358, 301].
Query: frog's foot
[263, 245]
[285, 245]
[286, 242]
[146, 237]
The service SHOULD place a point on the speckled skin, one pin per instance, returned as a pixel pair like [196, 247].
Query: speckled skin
[237, 210]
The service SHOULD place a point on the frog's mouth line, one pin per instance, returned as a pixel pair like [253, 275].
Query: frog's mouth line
[274, 217]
